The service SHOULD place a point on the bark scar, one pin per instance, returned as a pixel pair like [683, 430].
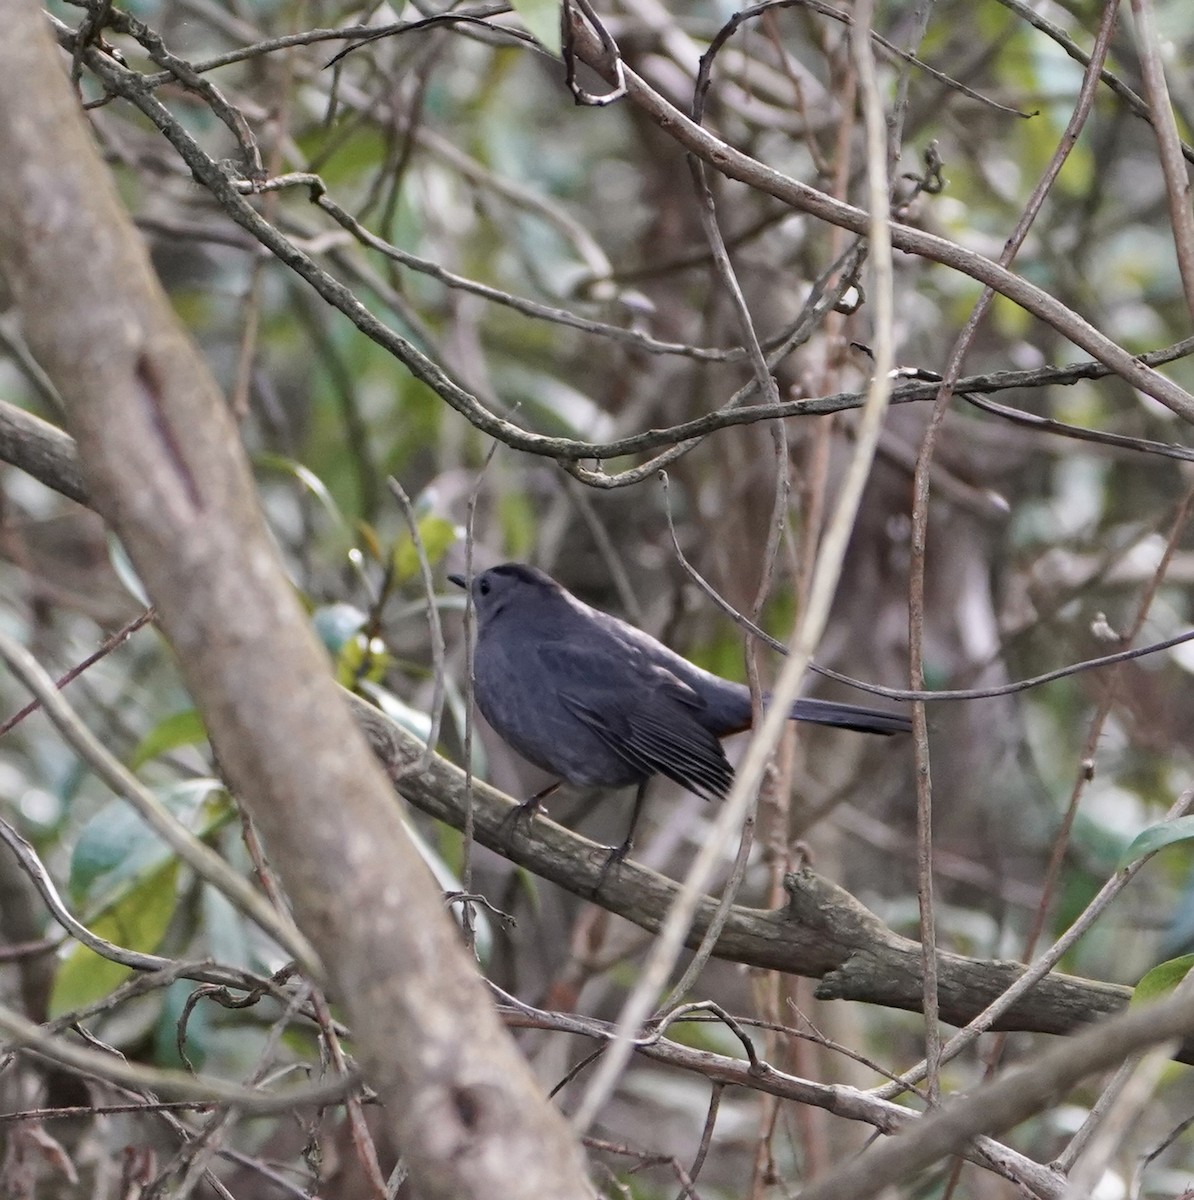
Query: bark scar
[149, 388]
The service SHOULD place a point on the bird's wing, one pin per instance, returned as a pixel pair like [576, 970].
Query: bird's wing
[643, 713]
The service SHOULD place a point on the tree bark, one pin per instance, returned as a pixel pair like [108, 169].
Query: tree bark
[822, 933]
[163, 464]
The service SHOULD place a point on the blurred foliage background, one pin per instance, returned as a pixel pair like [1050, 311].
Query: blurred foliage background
[550, 258]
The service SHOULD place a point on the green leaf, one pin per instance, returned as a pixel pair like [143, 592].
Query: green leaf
[542, 19]
[438, 536]
[338, 624]
[225, 931]
[138, 922]
[411, 719]
[362, 661]
[125, 571]
[1181, 829]
[368, 535]
[520, 529]
[1162, 979]
[309, 480]
[116, 849]
[358, 658]
[184, 728]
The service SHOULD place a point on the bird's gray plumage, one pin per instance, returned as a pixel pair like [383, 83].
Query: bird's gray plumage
[602, 704]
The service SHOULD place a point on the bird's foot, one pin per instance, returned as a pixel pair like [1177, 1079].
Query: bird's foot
[524, 812]
[614, 857]
[520, 814]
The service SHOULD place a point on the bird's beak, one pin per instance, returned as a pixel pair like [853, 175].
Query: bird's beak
[459, 581]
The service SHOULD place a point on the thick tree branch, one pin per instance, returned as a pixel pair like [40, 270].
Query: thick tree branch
[823, 933]
[162, 462]
[138, 90]
[1003, 1102]
[735, 165]
[42, 450]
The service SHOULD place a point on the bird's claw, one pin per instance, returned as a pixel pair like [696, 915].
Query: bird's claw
[519, 814]
[614, 857]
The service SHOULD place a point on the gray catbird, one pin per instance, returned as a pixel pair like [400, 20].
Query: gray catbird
[599, 703]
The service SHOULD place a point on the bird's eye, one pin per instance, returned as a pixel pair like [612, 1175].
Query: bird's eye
[483, 587]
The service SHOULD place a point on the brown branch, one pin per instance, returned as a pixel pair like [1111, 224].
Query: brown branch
[137, 89]
[1013, 1097]
[42, 450]
[53, 458]
[822, 932]
[1169, 143]
[164, 465]
[758, 1075]
[735, 165]
[30, 443]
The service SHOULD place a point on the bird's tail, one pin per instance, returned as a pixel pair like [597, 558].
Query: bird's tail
[851, 716]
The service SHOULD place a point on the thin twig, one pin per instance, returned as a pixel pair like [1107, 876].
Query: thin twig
[923, 476]
[25, 1035]
[109, 644]
[1169, 144]
[204, 861]
[805, 639]
[435, 626]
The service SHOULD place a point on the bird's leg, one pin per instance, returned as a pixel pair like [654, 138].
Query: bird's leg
[527, 810]
[618, 853]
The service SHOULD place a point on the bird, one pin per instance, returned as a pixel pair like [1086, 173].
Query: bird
[599, 703]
